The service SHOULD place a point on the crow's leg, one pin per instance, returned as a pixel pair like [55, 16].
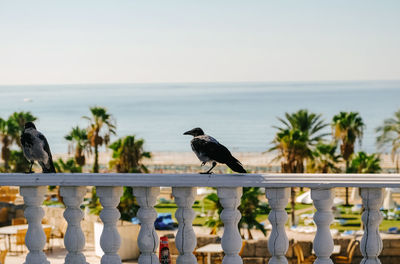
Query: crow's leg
[30, 168]
[212, 167]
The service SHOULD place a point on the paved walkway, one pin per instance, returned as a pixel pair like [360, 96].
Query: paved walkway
[58, 254]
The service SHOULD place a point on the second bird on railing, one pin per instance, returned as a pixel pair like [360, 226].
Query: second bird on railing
[208, 149]
[36, 148]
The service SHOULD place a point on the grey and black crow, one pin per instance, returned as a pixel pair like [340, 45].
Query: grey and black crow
[35, 147]
[208, 149]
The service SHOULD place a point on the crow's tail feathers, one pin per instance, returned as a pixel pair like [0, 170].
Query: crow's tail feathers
[49, 167]
[235, 165]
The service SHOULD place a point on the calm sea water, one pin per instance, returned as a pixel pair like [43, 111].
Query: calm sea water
[239, 115]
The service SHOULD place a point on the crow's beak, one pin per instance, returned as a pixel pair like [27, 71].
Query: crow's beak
[188, 132]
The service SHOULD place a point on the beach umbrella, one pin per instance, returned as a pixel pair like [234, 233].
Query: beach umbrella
[355, 195]
[388, 202]
[304, 198]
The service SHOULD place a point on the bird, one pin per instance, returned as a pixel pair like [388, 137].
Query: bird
[36, 148]
[208, 149]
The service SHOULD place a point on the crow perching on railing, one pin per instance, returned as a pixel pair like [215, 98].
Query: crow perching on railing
[36, 148]
[208, 149]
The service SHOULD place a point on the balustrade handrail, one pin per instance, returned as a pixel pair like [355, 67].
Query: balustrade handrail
[202, 180]
[146, 188]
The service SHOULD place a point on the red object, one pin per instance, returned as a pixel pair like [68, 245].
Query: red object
[164, 255]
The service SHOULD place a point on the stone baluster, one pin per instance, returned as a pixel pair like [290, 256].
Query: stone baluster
[35, 239]
[278, 242]
[323, 242]
[147, 239]
[74, 239]
[231, 240]
[371, 242]
[185, 238]
[110, 240]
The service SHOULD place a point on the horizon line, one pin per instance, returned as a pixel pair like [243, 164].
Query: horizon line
[202, 82]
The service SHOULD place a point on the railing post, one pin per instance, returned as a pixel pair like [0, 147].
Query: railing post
[110, 240]
[323, 242]
[185, 238]
[231, 240]
[278, 242]
[147, 239]
[74, 239]
[371, 242]
[35, 239]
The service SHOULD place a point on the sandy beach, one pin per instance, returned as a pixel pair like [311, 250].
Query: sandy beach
[180, 161]
[250, 159]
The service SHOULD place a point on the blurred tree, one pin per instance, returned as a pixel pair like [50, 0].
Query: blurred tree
[295, 142]
[389, 135]
[324, 159]
[292, 148]
[8, 133]
[347, 127]
[79, 143]
[128, 205]
[101, 127]
[20, 118]
[364, 163]
[250, 207]
[128, 153]
[214, 221]
[68, 166]
[18, 162]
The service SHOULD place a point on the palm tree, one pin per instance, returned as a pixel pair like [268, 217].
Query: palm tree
[292, 150]
[214, 221]
[20, 118]
[296, 140]
[127, 155]
[18, 161]
[8, 132]
[347, 127]
[79, 143]
[295, 143]
[250, 207]
[324, 159]
[364, 163]
[306, 122]
[101, 127]
[67, 166]
[389, 135]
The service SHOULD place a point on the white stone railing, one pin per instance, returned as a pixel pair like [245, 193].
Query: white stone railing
[229, 186]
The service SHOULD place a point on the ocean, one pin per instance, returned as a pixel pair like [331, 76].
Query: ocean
[240, 115]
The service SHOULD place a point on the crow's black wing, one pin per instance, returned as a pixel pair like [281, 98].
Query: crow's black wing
[26, 139]
[46, 146]
[49, 167]
[211, 149]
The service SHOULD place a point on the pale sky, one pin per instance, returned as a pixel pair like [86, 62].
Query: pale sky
[128, 41]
